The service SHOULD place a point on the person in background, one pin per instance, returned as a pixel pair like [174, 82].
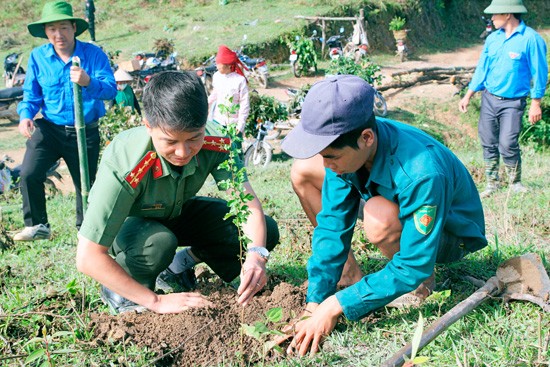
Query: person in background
[229, 88]
[89, 11]
[125, 96]
[48, 89]
[421, 206]
[144, 205]
[512, 66]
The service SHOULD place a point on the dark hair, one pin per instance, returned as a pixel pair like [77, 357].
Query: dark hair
[349, 139]
[517, 16]
[175, 101]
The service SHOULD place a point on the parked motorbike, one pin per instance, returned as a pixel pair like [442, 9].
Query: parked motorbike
[302, 55]
[334, 44]
[356, 52]
[206, 73]
[488, 28]
[257, 68]
[9, 177]
[151, 63]
[259, 153]
[9, 96]
[14, 74]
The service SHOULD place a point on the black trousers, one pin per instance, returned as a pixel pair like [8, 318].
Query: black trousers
[144, 246]
[48, 143]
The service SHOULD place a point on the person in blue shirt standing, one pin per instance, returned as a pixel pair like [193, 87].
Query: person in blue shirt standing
[421, 205]
[512, 65]
[48, 89]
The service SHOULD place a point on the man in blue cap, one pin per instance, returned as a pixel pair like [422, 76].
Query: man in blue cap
[421, 205]
[512, 65]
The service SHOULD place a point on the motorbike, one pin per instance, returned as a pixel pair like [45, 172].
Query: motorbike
[257, 68]
[151, 63]
[206, 73]
[9, 177]
[259, 152]
[380, 106]
[9, 96]
[488, 28]
[334, 44]
[14, 74]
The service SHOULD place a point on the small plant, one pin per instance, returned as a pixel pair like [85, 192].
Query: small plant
[44, 354]
[414, 360]
[397, 24]
[116, 120]
[261, 332]
[307, 57]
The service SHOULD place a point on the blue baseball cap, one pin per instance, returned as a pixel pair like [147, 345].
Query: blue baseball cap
[332, 107]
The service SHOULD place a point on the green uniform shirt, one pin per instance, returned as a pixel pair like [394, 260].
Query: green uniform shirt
[112, 198]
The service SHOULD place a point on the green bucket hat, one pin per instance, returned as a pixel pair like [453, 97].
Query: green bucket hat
[506, 7]
[54, 12]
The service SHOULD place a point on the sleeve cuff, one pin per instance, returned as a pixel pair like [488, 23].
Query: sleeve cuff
[351, 302]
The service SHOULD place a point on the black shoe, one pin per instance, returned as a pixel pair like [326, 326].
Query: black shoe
[118, 304]
[186, 280]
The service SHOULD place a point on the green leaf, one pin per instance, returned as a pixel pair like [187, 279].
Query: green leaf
[417, 336]
[62, 333]
[250, 331]
[261, 327]
[38, 353]
[274, 314]
[420, 360]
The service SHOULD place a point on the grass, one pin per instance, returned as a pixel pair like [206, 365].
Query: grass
[41, 277]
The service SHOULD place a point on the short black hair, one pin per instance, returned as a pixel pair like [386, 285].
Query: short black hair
[517, 16]
[175, 101]
[350, 138]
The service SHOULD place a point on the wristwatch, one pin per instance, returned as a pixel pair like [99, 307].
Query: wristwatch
[262, 251]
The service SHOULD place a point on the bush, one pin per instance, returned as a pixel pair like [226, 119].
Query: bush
[366, 69]
[263, 108]
[116, 120]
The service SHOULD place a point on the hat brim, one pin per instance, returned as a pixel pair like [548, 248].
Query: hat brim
[505, 9]
[36, 29]
[302, 145]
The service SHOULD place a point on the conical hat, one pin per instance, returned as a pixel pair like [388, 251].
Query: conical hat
[122, 76]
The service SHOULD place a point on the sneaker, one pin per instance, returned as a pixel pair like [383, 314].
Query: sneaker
[185, 280]
[118, 304]
[37, 232]
[518, 188]
[416, 297]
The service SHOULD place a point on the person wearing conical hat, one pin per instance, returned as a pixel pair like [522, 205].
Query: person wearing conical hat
[48, 89]
[512, 66]
[229, 88]
[125, 96]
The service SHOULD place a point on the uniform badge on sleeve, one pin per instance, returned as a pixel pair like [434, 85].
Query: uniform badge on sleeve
[424, 218]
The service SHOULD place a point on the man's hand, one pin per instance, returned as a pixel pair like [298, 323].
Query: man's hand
[26, 128]
[178, 302]
[465, 101]
[535, 112]
[309, 332]
[79, 76]
[253, 277]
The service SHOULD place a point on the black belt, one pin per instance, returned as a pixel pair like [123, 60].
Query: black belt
[88, 126]
[502, 98]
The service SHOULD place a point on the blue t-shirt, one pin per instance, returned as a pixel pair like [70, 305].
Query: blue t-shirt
[434, 192]
[48, 85]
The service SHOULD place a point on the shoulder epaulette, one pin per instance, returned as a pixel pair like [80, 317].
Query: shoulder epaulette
[216, 143]
[145, 164]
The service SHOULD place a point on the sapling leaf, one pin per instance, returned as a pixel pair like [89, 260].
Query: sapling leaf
[261, 328]
[38, 353]
[274, 314]
[250, 331]
[440, 296]
[62, 333]
[420, 360]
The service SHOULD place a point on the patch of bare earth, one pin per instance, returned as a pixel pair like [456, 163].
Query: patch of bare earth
[202, 337]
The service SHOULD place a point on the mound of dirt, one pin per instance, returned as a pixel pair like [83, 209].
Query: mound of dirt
[202, 337]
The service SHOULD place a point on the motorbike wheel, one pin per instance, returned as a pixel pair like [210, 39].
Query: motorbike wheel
[296, 70]
[258, 154]
[380, 105]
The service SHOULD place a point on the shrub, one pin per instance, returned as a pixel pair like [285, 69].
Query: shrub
[263, 108]
[366, 69]
[116, 120]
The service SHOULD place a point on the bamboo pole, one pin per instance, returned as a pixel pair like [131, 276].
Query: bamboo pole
[80, 128]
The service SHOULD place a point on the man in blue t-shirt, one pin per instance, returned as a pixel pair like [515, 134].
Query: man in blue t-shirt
[512, 65]
[421, 204]
[48, 89]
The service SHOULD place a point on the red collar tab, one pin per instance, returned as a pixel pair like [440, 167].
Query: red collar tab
[149, 160]
[216, 143]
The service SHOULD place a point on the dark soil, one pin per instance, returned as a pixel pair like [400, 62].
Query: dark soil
[203, 337]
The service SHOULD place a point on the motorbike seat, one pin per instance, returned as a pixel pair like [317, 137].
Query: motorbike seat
[11, 93]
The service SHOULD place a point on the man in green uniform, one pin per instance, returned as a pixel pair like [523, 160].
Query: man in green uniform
[143, 206]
